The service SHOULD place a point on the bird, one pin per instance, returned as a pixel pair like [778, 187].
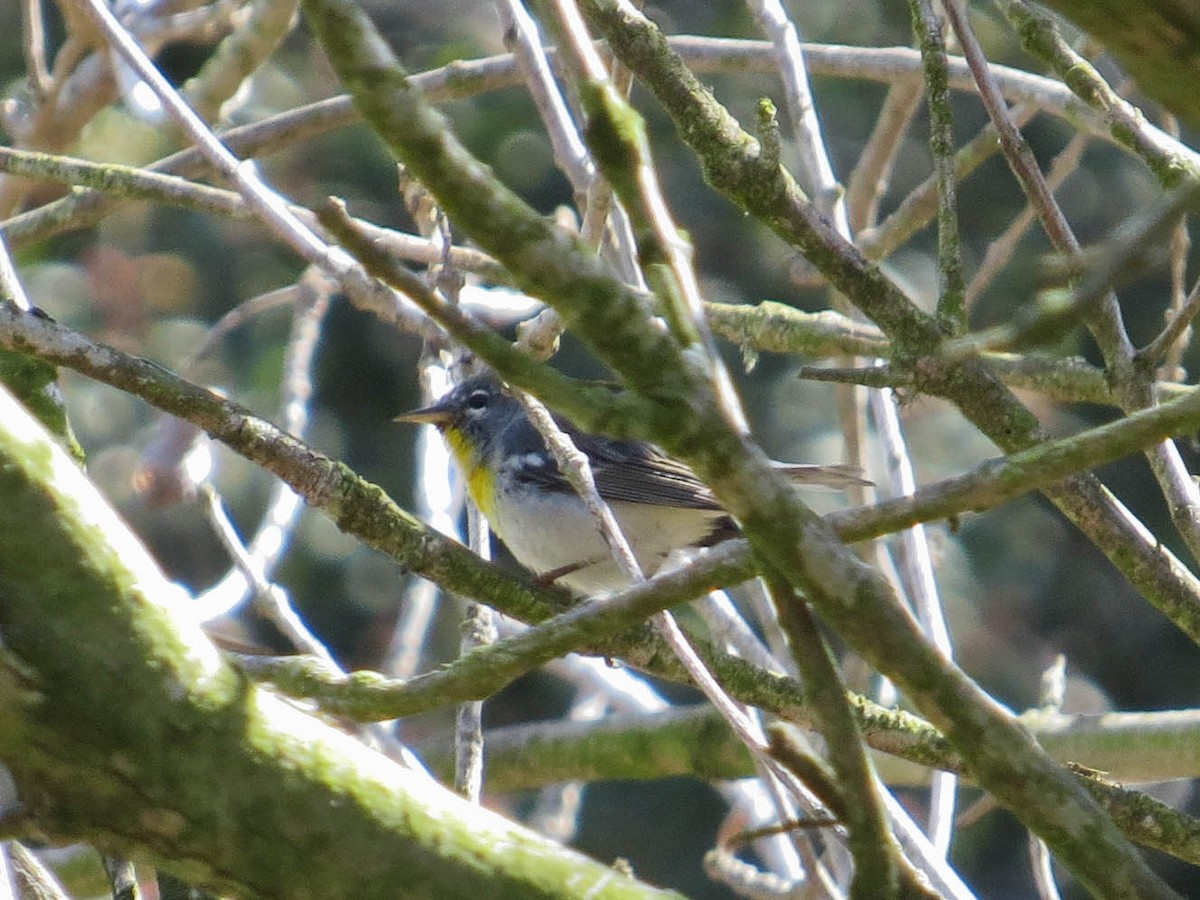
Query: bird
[514, 479]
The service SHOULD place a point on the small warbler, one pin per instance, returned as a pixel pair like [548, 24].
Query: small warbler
[515, 481]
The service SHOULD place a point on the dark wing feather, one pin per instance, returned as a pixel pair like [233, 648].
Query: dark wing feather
[637, 472]
[631, 471]
[640, 473]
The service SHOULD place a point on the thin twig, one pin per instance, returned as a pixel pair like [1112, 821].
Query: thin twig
[479, 630]
[878, 870]
[1016, 149]
[1050, 700]
[284, 507]
[951, 308]
[570, 153]
[728, 627]
[32, 875]
[11, 288]
[262, 27]
[1041, 37]
[439, 502]
[265, 202]
[1000, 251]
[915, 563]
[919, 208]
[934, 865]
[270, 599]
[1174, 334]
[869, 179]
[33, 42]
[817, 171]
[1180, 245]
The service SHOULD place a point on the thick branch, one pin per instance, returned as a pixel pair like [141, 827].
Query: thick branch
[854, 600]
[1156, 41]
[123, 727]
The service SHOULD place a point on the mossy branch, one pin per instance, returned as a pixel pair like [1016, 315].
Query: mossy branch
[694, 741]
[123, 727]
[854, 600]
[731, 162]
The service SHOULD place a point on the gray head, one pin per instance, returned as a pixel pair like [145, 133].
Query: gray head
[473, 416]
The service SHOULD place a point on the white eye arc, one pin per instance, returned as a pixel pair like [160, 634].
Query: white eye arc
[478, 400]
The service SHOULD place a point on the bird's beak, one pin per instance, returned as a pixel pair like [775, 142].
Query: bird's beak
[437, 414]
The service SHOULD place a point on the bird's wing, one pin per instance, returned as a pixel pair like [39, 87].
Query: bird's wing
[638, 472]
[629, 471]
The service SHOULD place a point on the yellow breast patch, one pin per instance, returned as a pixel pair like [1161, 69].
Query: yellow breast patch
[481, 483]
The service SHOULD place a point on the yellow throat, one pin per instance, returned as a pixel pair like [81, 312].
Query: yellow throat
[481, 481]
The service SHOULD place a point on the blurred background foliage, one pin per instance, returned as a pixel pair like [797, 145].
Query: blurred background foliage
[1020, 584]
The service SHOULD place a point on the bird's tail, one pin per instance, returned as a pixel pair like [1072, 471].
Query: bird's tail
[835, 476]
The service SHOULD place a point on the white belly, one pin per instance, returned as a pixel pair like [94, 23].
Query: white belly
[565, 534]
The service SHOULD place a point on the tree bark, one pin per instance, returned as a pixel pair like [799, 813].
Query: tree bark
[123, 727]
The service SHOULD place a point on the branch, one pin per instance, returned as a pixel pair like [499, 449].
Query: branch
[732, 164]
[469, 78]
[234, 786]
[791, 538]
[951, 310]
[693, 741]
[361, 509]
[1156, 43]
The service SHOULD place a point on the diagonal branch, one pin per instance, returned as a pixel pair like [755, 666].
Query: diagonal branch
[854, 600]
[258, 783]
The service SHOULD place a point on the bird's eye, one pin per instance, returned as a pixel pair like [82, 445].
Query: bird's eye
[478, 400]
